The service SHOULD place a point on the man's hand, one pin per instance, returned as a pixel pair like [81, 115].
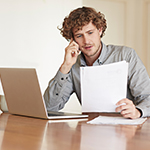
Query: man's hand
[71, 54]
[127, 109]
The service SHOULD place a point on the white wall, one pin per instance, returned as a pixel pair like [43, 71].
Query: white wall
[128, 24]
[29, 36]
[114, 14]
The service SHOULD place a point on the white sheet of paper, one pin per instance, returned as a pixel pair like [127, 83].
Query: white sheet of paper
[117, 120]
[1, 89]
[1, 112]
[103, 86]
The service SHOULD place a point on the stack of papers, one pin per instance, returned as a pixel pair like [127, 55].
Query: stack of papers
[117, 120]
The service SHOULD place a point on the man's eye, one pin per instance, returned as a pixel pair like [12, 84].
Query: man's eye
[79, 36]
[90, 32]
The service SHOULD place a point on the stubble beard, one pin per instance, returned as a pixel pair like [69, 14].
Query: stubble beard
[98, 49]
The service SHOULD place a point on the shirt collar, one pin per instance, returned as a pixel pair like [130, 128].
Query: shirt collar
[100, 59]
[82, 60]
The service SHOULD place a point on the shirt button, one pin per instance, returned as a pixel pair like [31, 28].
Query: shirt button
[62, 78]
[56, 93]
[66, 77]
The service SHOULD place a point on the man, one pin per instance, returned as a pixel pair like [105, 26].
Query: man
[84, 27]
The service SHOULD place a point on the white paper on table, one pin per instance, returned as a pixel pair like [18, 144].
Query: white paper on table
[117, 120]
[1, 89]
[1, 112]
[103, 86]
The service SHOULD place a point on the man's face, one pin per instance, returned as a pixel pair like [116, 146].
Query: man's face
[88, 39]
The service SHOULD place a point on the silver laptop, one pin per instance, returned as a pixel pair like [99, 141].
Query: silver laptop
[23, 94]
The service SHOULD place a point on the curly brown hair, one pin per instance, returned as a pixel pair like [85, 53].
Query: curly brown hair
[81, 17]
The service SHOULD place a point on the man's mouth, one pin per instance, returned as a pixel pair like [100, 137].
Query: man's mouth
[88, 47]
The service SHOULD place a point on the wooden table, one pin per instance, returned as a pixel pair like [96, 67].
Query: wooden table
[24, 133]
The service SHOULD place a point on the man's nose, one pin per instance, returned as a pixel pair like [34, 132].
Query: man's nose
[86, 40]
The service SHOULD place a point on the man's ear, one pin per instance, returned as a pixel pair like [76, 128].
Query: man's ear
[100, 30]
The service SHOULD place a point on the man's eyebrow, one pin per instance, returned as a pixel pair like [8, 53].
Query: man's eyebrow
[90, 30]
[77, 34]
[85, 32]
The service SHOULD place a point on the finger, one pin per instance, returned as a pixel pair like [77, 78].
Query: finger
[74, 45]
[127, 106]
[121, 101]
[131, 115]
[126, 111]
[75, 49]
[71, 40]
[125, 100]
[129, 112]
[120, 108]
[72, 48]
[128, 115]
[75, 53]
